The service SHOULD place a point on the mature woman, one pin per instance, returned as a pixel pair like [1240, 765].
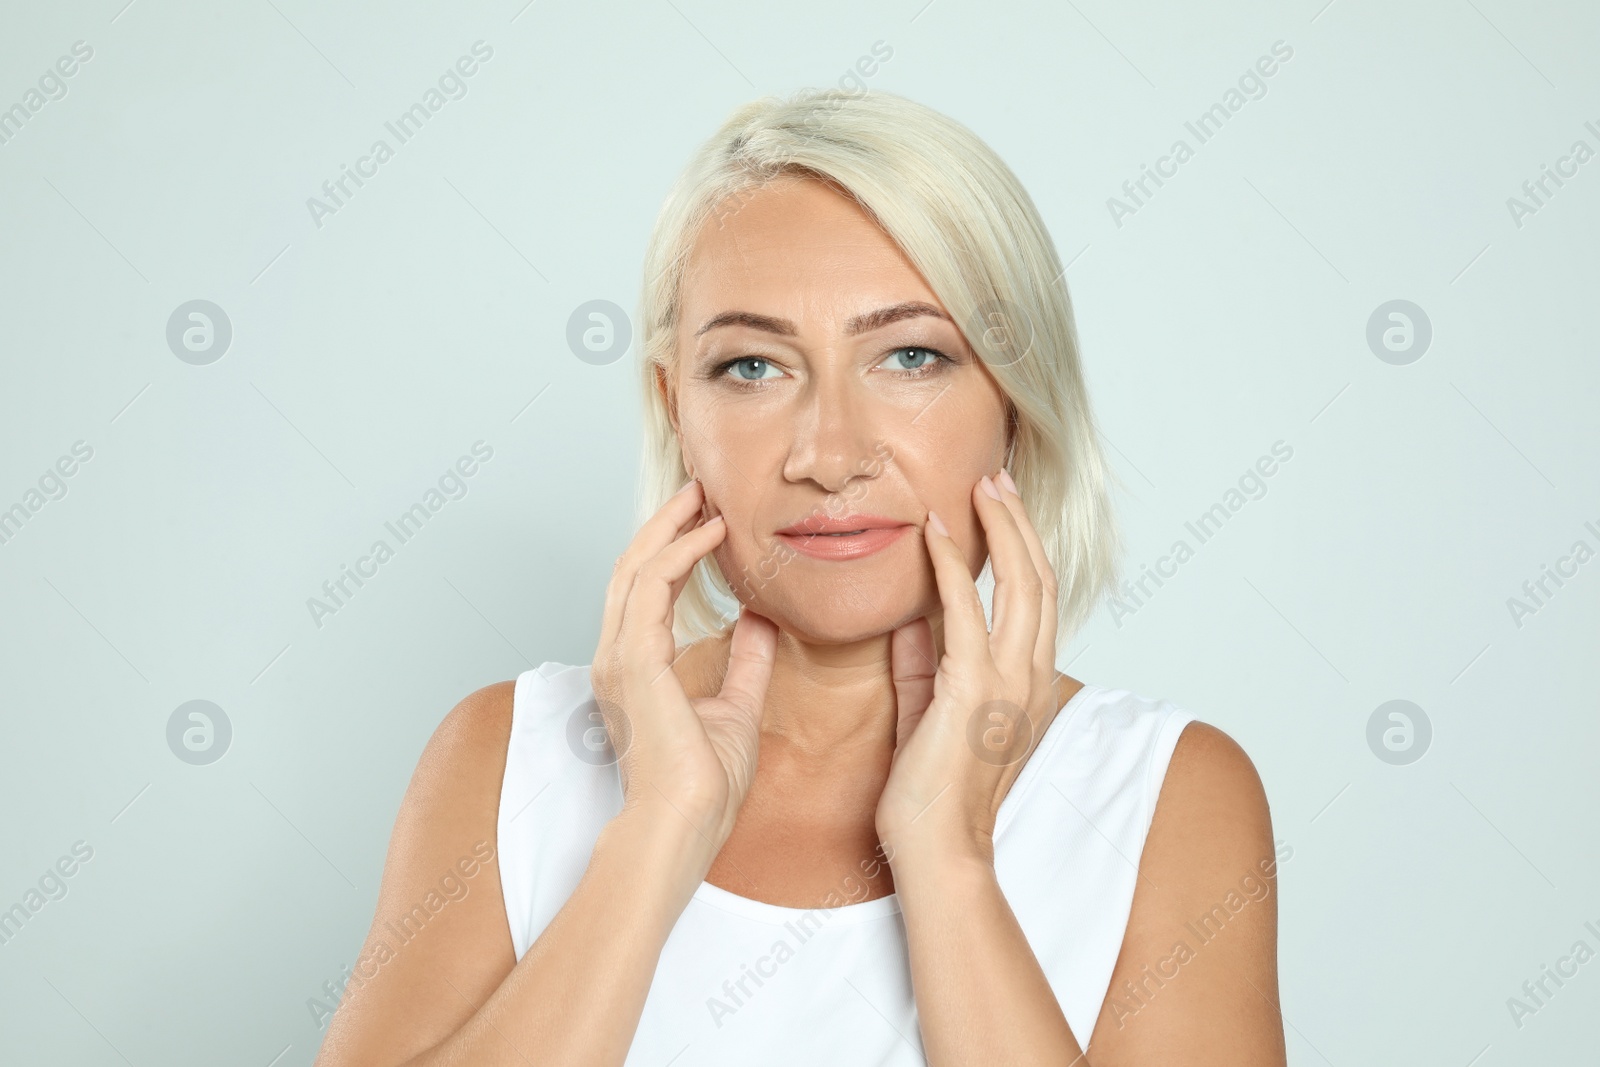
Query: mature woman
[865, 823]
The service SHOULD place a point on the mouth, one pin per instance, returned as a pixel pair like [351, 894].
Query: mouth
[843, 538]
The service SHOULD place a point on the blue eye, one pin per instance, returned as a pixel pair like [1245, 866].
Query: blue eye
[928, 359]
[907, 362]
[758, 365]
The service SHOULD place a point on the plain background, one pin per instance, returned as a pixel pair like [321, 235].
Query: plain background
[1228, 312]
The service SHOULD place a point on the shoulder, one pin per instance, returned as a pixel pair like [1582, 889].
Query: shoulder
[453, 799]
[479, 723]
[1212, 823]
[460, 768]
[441, 872]
[1186, 764]
[1210, 771]
[1205, 908]
[479, 729]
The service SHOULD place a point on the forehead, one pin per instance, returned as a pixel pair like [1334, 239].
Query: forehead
[796, 248]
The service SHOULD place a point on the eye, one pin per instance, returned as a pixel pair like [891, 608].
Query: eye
[916, 360]
[753, 364]
[909, 361]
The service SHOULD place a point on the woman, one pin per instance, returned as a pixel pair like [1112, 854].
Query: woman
[858, 826]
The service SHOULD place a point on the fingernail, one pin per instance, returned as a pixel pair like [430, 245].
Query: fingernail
[933, 520]
[1005, 480]
[684, 487]
[714, 518]
[988, 486]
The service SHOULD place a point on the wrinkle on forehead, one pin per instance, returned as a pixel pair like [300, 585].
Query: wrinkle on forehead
[800, 250]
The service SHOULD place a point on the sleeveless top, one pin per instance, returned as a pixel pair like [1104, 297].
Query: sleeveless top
[741, 981]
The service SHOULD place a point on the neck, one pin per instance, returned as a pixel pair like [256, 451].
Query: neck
[822, 697]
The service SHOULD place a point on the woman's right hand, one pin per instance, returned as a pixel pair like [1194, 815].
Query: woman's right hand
[695, 757]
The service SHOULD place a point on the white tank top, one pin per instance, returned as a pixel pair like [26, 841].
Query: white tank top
[742, 982]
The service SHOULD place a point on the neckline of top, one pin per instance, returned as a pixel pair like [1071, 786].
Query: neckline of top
[884, 906]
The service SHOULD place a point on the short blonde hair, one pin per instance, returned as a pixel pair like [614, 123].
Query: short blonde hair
[971, 230]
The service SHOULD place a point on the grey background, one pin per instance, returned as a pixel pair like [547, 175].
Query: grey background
[1227, 313]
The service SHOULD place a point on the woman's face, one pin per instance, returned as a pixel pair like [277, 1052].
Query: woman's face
[820, 379]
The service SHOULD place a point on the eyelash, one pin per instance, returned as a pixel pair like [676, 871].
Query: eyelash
[720, 371]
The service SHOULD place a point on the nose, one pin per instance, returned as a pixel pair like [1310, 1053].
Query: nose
[834, 432]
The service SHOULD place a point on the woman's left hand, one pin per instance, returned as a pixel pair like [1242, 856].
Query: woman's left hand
[966, 729]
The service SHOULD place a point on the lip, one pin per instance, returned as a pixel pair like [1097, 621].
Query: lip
[826, 524]
[833, 537]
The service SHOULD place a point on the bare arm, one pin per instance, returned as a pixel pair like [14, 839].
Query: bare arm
[1197, 979]
[983, 998]
[981, 995]
[454, 992]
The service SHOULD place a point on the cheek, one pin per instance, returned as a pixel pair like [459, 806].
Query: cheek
[753, 567]
[730, 494]
[942, 464]
[961, 517]
[718, 444]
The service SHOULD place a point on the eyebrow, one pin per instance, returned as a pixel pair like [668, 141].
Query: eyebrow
[865, 323]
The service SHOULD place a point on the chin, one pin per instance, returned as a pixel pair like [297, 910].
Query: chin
[820, 624]
[837, 612]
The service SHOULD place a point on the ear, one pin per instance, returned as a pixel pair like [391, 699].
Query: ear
[668, 397]
[665, 389]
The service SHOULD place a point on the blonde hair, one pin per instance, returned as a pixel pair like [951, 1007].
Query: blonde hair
[971, 230]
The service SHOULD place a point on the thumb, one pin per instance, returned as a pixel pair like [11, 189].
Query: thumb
[750, 656]
[912, 665]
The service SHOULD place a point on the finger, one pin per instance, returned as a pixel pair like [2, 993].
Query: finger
[661, 529]
[750, 657]
[677, 586]
[912, 666]
[965, 633]
[1017, 587]
[645, 640]
[1044, 652]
